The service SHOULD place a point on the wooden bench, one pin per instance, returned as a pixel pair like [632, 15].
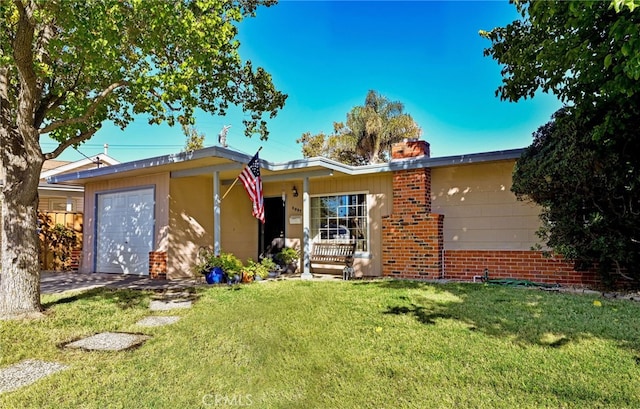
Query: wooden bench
[335, 253]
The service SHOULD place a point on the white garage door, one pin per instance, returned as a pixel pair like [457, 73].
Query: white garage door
[124, 231]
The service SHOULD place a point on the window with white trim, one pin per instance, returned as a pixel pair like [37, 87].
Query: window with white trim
[341, 219]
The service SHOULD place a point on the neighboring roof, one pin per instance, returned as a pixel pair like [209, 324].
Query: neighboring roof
[46, 189]
[52, 164]
[93, 162]
[51, 168]
[227, 162]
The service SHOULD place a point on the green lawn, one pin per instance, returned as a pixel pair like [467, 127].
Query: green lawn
[366, 344]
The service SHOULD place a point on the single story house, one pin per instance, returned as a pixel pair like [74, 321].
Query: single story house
[415, 217]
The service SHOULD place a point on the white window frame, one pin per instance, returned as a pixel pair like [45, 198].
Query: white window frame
[358, 253]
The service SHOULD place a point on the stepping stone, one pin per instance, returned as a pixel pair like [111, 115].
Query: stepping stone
[157, 321]
[26, 372]
[156, 305]
[109, 341]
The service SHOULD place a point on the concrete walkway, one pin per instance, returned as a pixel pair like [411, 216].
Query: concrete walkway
[56, 282]
[53, 283]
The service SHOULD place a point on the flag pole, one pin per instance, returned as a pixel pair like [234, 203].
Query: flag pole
[235, 181]
[230, 187]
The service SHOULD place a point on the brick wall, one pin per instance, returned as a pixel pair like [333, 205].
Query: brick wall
[522, 265]
[412, 246]
[76, 255]
[158, 265]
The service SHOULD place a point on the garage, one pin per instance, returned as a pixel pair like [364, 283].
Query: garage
[124, 231]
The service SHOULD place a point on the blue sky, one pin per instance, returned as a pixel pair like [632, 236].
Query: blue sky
[326, 55]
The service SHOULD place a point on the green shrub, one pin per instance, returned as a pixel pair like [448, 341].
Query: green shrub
[256, 269]
[287, 255]
[207, 260]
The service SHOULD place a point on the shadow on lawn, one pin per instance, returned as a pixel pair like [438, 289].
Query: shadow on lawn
[529, 316]
[123, 298]
[422, 314]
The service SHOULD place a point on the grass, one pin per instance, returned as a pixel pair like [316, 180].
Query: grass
[368, 344]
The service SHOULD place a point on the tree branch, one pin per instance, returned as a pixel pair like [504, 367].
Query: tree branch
[69, 142]
[90, 111]
[49, 101]
[52, 101]
[23, 57]
[171, 107]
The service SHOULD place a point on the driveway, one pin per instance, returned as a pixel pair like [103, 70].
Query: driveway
[54, 282]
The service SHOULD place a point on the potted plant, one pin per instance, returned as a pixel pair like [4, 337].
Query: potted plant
[216, 273]
[270, 267]
[253, 271]
[288, 258]
[206, 266]
[246, 276]
[216, 268]
[248, 272]
[259, 271]
[230, 265]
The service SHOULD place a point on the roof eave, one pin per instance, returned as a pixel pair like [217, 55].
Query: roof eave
[150, 163]
[394, 165]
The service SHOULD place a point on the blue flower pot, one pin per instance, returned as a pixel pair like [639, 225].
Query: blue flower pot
[215, 276]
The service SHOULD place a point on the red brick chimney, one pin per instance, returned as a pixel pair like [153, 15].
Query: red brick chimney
[412, 237]
[410, 148]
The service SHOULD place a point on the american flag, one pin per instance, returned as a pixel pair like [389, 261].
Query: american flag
[250, 178]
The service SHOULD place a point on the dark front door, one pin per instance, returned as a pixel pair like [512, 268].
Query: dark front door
[273, 227]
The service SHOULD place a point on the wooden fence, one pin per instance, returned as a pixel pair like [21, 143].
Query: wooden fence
[71, 258]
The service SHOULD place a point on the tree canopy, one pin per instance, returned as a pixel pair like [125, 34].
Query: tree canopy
[589, 193]
[67, 66]
[368, 134]
[582, 167]
[584, 52]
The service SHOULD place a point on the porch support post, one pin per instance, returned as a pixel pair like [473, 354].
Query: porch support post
[306, 228]
[216, 213]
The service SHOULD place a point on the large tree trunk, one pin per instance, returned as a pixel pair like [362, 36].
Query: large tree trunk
[21, 160]
[19, 266]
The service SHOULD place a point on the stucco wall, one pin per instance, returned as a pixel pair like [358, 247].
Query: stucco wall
[239, 229]
[161, 184]
[191, 203]
[481, 212]
[190, 223]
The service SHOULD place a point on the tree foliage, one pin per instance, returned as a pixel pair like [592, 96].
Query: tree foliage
[584, 52]
[589, 193]
[67, 66]
[582, 167]
[368, 134]
[108, 60]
